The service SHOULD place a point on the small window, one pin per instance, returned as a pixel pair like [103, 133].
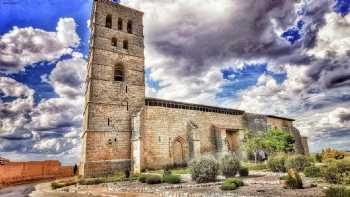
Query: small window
[129, 27]
[109, 21]
[114, 42]
[125, 44]
[119, 73]
[120, 24]
[108, 122]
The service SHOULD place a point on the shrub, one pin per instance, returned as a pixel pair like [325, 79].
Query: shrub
[153, 179]
[312, 171]
[332, 153]
[285, 177]
[142, 178]
[172, 179]
[230, 165]
[231, 184]
[276, 163]
[228, 186]
[337, 191]
[243, 171]
[57, 185]
[92, 181]
[318, 157]
[204, 170]
[298, 162]
[331, 174]
[294, 180]
[167, 170]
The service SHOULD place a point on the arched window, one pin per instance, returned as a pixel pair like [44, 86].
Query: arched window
[109, 21]
[120, 24]
[129, 27]
[119, 72]
[114, 42]
[125, 44]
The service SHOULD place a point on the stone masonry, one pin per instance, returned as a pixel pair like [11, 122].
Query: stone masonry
[123, 130]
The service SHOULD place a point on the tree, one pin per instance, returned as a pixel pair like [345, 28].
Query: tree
[253, 144]
[277, 140]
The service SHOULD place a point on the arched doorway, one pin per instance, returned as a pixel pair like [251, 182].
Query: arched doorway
[179, 151]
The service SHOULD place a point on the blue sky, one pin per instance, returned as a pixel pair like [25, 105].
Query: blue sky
[271, 59]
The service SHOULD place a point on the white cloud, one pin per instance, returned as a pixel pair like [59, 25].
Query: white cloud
[21, 47]
[334, 36]
[68, 77]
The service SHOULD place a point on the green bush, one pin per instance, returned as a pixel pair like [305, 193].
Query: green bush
[230, 165]
[228, 186]
[172, 179]
[276, 163]
[142, 178]
[331, 174]
[153, 179]
[285, 177]
[204, 170]
[337, 191]
[312, 171]
[298, 162]
[243, 171]
[91, 181]
[318, 157]
[294, 180]
[57, 185]
[231, 184]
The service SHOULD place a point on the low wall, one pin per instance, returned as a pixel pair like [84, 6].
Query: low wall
[19, 172]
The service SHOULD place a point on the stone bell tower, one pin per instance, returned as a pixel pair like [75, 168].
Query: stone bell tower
[115, 87]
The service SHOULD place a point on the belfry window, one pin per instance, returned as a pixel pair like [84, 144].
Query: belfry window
[129, 27]
[109, 21]
[114, 42]
[125, 44]
[120, 24]
[119, 73]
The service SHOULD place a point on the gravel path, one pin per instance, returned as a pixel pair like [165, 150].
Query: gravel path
[265, 184]
[17, 191]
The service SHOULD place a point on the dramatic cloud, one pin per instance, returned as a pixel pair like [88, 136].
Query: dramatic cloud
[68, 76]
[24, 46]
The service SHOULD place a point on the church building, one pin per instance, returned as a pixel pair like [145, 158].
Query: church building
[124, 130]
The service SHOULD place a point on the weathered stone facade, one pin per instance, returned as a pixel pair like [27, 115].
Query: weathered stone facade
[125, 130]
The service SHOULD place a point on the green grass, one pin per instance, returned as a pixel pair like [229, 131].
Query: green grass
[180, 171]
[254, 166]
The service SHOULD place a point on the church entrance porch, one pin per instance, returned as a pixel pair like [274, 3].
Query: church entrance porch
[228, 140]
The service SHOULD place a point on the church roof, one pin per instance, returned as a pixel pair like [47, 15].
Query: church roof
[191, 106]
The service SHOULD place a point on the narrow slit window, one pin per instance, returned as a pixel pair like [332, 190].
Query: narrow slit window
[125, 45]
[120, 24]
[127, 106]
[114, 42]
[108, 122]
[109, 21]
[129, 27]
[119, 73]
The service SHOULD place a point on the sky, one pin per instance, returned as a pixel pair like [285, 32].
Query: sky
[283, 57]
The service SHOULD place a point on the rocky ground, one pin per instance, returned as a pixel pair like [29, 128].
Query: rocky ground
[258, 184]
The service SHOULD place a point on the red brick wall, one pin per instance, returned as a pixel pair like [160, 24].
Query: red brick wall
[17, 172]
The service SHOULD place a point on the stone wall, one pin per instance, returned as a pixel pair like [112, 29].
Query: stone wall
[19, 172]
[163, 126]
